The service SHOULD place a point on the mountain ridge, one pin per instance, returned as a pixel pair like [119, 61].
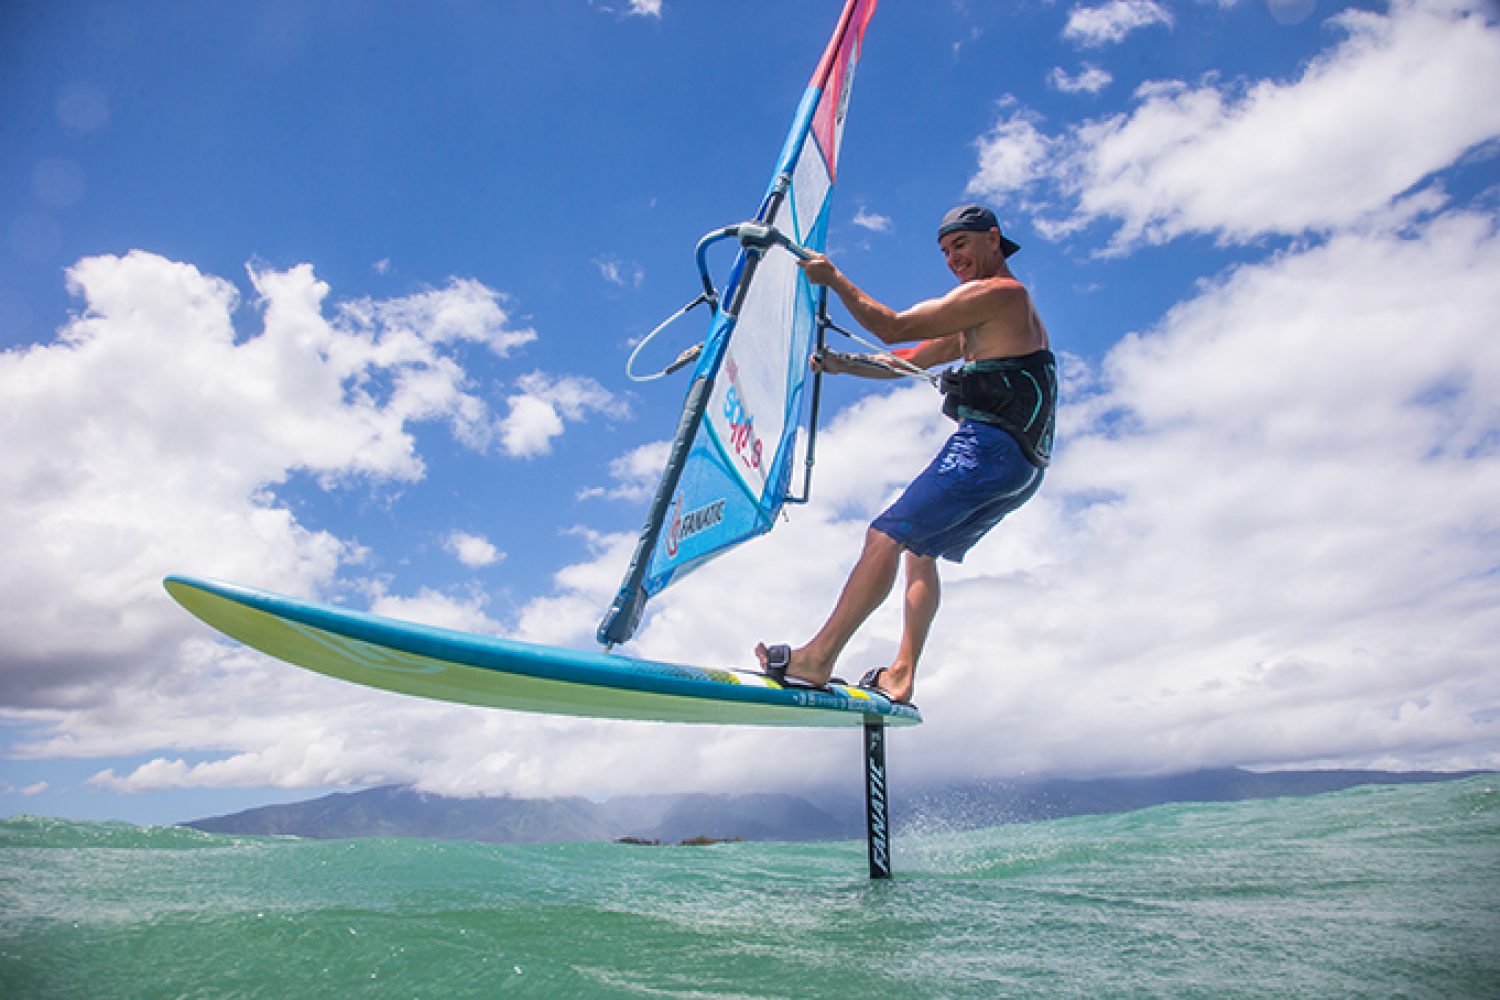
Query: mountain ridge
[400, 811]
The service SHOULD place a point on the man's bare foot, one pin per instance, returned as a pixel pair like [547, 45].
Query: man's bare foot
[893, 682]
[801, 666]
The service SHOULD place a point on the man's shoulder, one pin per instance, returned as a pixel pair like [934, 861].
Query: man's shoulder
[1000, 288]
[1003, 284]
[1003, 296]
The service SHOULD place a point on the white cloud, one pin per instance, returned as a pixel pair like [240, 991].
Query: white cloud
[529, 429]
[474, 551]
[1366, 122]
[633, 8]
[538, 411]
[569, 616]
[34, 789]
[1269, 538]
[1265, 540]
[431, 607]
[872, 221]
[620, 273]
[1110, 22]
[466, 310]
[634, 473]
[1013, 155]
[1276, 539]
[1088, 80]
[150, 436]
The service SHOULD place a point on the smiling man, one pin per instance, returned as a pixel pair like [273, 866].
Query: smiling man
[1004, 398]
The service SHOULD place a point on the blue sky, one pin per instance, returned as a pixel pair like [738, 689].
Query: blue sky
[334, 299]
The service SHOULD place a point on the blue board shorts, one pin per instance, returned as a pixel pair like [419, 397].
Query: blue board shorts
[980, 476]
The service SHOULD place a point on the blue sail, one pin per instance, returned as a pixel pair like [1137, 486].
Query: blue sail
[731, 462]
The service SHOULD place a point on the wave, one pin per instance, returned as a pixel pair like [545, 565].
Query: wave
[1379, 890]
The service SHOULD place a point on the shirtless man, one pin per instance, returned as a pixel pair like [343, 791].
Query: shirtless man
[1004, 398]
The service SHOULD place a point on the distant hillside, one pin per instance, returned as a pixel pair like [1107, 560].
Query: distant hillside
[401, 812]
[978, 804]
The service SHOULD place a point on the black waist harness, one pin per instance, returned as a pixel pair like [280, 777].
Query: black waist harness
[1016, 394]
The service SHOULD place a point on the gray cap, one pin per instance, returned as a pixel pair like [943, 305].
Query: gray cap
[975, 219]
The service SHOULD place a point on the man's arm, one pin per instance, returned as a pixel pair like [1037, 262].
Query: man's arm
[967, 305]
[931, 353]
[896, 364]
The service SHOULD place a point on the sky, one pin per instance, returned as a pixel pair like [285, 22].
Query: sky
[335, 299]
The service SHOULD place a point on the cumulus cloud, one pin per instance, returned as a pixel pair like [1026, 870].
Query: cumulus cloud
[33, 789]
[474, 551]
[1088, 80]
[1013, 155]
[1364, 123]
[432, 607]
[1306, 518]
[1263, 542]
[465, 310]
[634, 473]
[151, 435]
[872, 221]
[544, 403]
[632, 8]
[1269, 537]
[1111, 22]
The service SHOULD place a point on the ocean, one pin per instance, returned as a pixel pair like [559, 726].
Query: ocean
[1387, 891]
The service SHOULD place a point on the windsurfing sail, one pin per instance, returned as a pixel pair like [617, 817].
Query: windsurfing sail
[730, 465]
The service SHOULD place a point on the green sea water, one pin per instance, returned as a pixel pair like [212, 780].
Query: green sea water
[1375, 892]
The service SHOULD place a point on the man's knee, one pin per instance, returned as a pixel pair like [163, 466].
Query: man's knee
[877, 539]
[922, 571]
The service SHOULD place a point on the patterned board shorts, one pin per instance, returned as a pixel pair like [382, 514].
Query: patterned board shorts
[980, 476]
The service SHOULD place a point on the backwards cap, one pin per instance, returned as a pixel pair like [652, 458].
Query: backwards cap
[975, 219]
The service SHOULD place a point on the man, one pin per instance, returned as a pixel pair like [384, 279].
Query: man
[1004, 398]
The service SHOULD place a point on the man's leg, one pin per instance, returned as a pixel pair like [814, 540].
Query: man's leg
[868, 586]
[923, 593]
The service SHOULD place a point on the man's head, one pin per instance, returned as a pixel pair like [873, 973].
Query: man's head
[972, 243]
[975, 219]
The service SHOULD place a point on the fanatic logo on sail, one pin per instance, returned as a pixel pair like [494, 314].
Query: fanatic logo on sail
[684, 526]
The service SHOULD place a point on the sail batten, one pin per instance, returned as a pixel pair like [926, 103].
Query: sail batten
[730, 465]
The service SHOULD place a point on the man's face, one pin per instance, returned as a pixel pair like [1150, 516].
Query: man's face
[972, 255]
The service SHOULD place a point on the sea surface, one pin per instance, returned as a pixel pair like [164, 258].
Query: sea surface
[1383, 892]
